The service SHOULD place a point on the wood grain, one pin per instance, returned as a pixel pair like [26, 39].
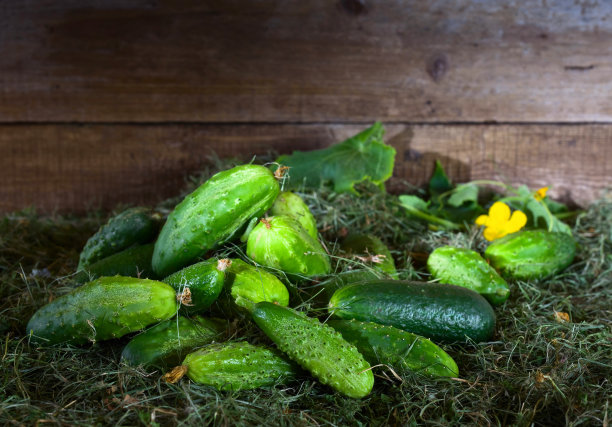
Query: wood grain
[68, 168]
[341, 61]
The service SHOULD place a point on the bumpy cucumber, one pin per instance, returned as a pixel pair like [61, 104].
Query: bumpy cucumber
[281, 242]
[108, 307]
[131, 262]
[200, 283]
[134, 226]
[249, 285]
[316, 347]
[441, 312]
[371, 250]
[395, 347]
[167, 343]
[212, 214]
[464, 267]
[531, 254]
[238, 366]
[292, 205]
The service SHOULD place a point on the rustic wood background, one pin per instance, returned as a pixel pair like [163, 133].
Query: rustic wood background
[116, 101]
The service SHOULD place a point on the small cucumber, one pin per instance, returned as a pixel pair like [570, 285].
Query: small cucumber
[167, 343]
[108, 307]
[280, 242]
[213, 214]
[249, 285]
[238, 366]
[370, 250]
[533, 254]
[316, 347]
[324, 290]
[131, 262]
[444, 313]
[395, 347]
[134, 226]
[292, 205]
[464, 267]
[200, 284]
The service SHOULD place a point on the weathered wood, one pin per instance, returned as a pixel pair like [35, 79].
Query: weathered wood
[305, 61]
[70, 168]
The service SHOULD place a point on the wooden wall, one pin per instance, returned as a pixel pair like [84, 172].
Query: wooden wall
[114, 101]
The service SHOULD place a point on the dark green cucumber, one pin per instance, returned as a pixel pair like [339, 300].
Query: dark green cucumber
[292, 205]
[134, 226]
[131, 262]
[249, 285]
[280, 242]
[441, 312]
[397, 348]
[371, 250]
[533, 254]
[166, 344]
[213, 214]
[238, 366]
[200, 283]
[464, 267]
[317, 348]
[324, 290]
[108, 307]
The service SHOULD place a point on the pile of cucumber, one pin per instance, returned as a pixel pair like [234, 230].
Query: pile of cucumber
[141, 275]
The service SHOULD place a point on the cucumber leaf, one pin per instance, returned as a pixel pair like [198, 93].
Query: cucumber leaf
[439, 182]
[537, 211]
[363, 157]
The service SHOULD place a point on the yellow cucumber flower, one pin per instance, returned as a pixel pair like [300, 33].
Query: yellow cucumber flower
[540, 194]
[499, 222]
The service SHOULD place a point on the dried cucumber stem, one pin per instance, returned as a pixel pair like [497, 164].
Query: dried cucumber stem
[185, 297]
[175, 374]
[224, 264]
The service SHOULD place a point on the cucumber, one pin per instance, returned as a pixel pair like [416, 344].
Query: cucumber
[248, 285]
[280, 242]
[464, 267]
[292, 205]
[108, 307]
[371, 250]
[317, 348]
[200, 284]
[131, 262]
[238, 366]
[167, 343]
[533, 254]
[324, 290]
[134, 226]
[445, 313]
[395, 347]
[213, 214]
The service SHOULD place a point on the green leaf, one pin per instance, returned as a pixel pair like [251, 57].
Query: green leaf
[465, 193]
[418, 208]
[363, 157]
[439, 182]
[413, 202]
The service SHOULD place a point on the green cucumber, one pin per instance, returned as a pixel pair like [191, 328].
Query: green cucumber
[533, 254]
[324, 290]
[134, 226]
[238, 366]
[249, 285]
[397, 348]
[444, 313]
[280, 242]
[199, 284]
[370, 250]
[317, 348]
[464, 267]
[213, 214]
[108, 307]
[292, 205]
[167, 343]
[131, 262]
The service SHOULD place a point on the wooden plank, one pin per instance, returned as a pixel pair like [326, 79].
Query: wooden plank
[71, 168]
[349, 61]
